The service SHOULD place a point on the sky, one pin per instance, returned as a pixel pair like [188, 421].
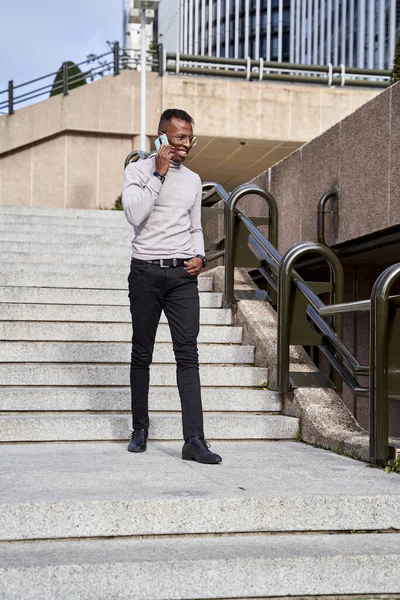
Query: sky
[37, 36]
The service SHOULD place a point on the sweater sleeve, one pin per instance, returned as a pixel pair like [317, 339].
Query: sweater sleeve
[139, 194]
[196, 230]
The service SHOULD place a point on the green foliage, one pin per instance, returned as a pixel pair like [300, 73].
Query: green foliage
[118, 204]
[395, 75]
[76, 78]
[393, 466]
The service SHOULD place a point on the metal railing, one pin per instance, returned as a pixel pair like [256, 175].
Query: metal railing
[303, 318]
[302, 314]
[91, 69]
[262, 70]
[117, 59]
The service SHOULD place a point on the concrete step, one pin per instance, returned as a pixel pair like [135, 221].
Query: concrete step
[233, 566]
[68, 230]
[119, 399]
[163, 426]
[61, 267]
[66, 220]
[101, 490]
[61, 213]
[101, 280]
[91, 247]
[84, 257]
[84, 296]
[48, 374]
[111, 352]
[105, 332]
[83, 313]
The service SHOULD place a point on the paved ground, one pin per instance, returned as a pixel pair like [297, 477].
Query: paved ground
[88, 471]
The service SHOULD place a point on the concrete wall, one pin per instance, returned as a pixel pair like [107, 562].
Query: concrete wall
[69, 151]
[361, 156]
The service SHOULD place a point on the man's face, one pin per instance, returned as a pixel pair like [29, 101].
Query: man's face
[178, 133]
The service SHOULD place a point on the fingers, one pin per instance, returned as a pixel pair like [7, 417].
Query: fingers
[166, 151]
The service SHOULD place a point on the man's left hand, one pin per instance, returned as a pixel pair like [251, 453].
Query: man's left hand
[193, 266]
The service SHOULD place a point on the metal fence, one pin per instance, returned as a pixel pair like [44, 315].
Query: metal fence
[117, 59]
[66, 78]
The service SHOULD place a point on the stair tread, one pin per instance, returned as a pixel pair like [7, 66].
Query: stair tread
[234, 566]
[259, 487]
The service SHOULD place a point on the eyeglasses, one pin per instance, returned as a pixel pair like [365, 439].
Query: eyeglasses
[183, 139]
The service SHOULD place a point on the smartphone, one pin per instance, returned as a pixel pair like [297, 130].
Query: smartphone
[161, 140]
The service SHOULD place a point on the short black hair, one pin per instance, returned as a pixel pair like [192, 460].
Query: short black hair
[175, 113]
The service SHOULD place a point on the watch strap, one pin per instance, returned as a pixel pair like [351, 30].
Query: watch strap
[159, 176]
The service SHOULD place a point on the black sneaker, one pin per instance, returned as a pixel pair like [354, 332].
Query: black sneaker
[138, 441]
[198, 449]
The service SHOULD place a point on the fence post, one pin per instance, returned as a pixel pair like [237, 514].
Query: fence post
[116, 58]
[65, 78]
[11, 97]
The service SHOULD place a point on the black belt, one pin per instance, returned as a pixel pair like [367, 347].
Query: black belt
[163, 262]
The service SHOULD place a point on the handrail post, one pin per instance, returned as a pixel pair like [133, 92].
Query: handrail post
[378, 381]
[11, 97]
[116, 58]
[234, 197]
[160, 59]
[65, 78]
[332, 193]
[289, 258]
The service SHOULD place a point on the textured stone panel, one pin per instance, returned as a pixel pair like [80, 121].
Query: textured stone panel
[364, 169]
[286, 189]
[15, 179]
[48, 173]
[82, 165]
[112, 154]
[320, 172]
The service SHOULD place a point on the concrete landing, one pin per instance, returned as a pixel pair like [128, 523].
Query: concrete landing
[99, 489]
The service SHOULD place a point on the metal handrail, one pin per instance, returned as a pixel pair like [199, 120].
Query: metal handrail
[237, 194]
[321, 212]
[260, 69]
[378, 363]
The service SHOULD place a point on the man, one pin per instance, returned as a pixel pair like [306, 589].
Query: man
[162, 200]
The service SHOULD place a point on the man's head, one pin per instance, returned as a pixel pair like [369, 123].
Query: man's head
[178, 126]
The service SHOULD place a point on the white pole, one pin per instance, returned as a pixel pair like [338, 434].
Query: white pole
[280, 24]
[227, 13]
[143, 81]
[392, 34]
[371, 34]
[257, 52]
[381, 38]
[269, 9]
[292, 19]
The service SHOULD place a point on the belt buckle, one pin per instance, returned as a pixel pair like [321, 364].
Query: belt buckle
[162, 264]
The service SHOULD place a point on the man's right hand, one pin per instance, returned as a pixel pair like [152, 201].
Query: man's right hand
[163, 158]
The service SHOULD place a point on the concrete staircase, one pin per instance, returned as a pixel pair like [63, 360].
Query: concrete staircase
[89, 520]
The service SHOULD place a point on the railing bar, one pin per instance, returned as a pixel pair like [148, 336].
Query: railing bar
[35, 80]
[327, 332]
[346, 307]
[269, 278]
[341, 369]
[93, 59]
[30, 97]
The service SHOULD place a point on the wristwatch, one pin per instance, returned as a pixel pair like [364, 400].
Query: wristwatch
[203, 258]
[160, 177]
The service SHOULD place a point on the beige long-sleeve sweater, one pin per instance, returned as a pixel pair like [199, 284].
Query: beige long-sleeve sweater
[166, 217]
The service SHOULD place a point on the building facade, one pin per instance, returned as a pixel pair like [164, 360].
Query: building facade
[356, 33]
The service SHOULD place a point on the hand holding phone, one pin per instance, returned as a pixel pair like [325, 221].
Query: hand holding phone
[164, 154]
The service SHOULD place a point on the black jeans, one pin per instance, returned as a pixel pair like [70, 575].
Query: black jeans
[151, 290]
